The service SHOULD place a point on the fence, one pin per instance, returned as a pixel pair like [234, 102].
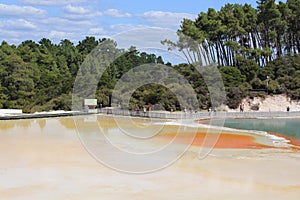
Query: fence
[161, 114]
[199, 115]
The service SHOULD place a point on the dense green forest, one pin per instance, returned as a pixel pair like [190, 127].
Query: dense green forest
[256, 49]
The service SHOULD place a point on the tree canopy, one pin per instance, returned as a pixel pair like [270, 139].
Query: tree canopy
[256, 50]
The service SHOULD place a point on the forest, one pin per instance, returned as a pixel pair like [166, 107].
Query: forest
[256, 50]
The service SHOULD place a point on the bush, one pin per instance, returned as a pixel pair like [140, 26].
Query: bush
[273, 87]
[63, 102]
[234, 97]
[257, 84]
[295, 95]
[245, 88]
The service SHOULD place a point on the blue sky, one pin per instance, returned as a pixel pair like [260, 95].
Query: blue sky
[75, 19]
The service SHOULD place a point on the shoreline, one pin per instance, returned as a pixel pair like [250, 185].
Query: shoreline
[293, 141]
[283, 140]
[233, 138]
[200, 116]
[42, 115]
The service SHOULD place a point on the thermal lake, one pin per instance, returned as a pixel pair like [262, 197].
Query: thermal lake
[96, 157]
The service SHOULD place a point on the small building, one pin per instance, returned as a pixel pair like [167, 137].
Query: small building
[90, 105]
[11, 111]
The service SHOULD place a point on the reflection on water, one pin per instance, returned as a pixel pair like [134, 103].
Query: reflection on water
[9, 124]
[23, 124]
[67, 122]
[6, 125]
[94, 125]
[42, 123]
[42, 126]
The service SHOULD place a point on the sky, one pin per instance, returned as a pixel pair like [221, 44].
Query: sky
[56, 20]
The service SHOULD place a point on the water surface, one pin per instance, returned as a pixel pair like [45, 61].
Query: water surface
[289, 127]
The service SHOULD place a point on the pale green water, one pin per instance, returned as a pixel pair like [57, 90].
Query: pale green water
[289, 127]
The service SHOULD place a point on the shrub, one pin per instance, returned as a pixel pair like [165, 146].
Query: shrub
[234, 97]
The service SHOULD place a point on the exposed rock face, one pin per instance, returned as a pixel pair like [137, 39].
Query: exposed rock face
[268, 104]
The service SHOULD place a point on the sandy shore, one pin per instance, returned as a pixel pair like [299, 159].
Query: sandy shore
[44, 159]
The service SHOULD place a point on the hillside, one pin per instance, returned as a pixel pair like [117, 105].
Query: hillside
[270, 103]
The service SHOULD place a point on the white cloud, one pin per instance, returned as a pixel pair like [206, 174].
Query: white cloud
[16, 36]
[96, 31]
[20, 24]
[56, 29]
[58, 34]
[148, 39]
[145, 37]
[166, 19]
[79, 13]
[20, 11]
[117, 13]
[76, 9]
[61, 24]
[53, 2]
[83, 17]
[10, 36]
[74, 22]
[120, 28]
